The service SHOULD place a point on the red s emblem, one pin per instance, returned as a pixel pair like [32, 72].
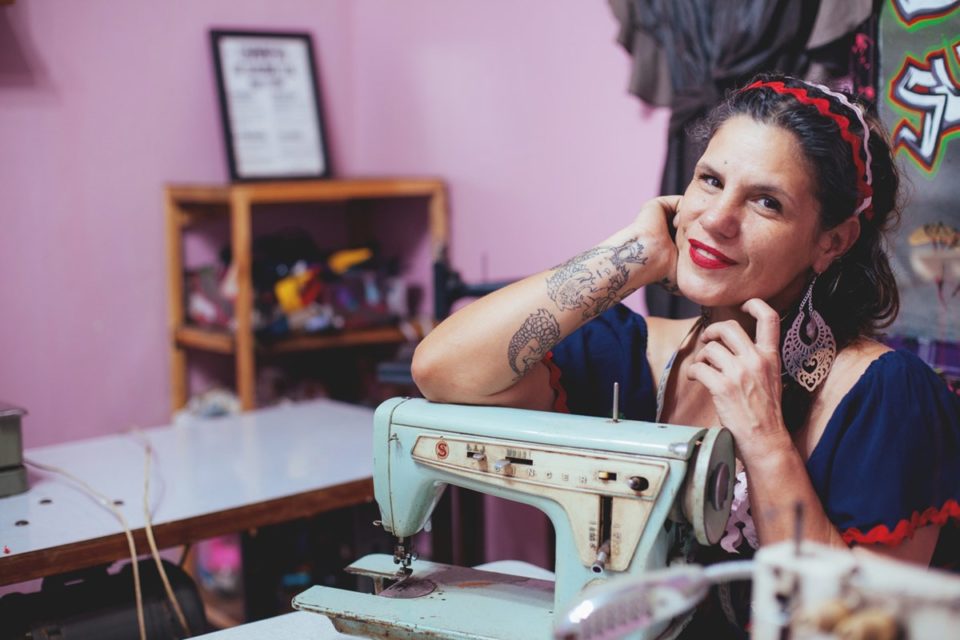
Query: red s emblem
[443, 450]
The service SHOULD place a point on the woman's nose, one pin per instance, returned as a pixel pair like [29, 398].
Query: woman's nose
[722, 218]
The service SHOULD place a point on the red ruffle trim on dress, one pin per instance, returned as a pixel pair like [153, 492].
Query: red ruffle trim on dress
[560, 394]
[881, 534]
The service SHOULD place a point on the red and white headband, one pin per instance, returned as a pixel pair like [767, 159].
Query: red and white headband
[864, 172]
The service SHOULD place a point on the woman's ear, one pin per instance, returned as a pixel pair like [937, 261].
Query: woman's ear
[835, 242]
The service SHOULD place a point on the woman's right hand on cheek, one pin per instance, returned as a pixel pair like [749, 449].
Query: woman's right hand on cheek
[655, 224]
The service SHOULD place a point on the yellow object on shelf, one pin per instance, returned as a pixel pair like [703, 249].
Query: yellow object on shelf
[341, 261]
[288, 291]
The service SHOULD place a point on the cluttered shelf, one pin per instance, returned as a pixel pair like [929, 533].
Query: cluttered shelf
[221, 341]
[337, 296]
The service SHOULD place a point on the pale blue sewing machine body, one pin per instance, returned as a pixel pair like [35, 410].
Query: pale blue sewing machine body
[608, 487]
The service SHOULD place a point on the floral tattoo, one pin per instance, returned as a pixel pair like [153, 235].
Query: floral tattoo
[594, 280]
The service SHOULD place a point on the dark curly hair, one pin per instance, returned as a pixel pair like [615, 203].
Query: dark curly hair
[857, 295]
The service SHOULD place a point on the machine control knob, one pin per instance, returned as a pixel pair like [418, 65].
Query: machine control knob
[500, 465]
[638, 483]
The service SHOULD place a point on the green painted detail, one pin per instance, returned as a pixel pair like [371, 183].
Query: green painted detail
[921, 23]
[929, 173]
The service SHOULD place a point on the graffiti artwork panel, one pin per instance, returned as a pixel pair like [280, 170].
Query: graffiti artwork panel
[920, 106]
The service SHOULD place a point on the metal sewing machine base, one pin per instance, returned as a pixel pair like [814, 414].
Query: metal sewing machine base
[436, 601]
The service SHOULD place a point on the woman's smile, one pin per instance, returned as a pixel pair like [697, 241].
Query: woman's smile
[708, 257]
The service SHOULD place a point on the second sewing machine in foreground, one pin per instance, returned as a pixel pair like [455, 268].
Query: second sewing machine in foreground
[616, 491]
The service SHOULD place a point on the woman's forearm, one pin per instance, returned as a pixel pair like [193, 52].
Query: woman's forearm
[782, 498]
[778, 483]
[490, 345]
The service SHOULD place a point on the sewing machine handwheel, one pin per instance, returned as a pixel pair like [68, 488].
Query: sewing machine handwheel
[708, 490]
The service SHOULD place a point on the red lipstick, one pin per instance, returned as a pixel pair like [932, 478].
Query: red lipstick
[708, 257]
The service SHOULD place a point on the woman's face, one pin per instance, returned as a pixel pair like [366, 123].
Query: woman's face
[748, 224]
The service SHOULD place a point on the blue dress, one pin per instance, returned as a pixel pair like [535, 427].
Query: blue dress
[887, 464]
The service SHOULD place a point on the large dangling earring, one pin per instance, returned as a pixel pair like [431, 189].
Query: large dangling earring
[809, 347]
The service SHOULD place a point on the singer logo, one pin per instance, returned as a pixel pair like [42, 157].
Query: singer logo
[443, 449]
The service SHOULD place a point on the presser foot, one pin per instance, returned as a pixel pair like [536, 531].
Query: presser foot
[403, 555]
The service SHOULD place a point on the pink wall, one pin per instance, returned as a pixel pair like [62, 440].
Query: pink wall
[521, 106]
[101, 103]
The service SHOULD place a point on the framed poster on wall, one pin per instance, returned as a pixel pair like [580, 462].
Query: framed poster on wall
[270, 105]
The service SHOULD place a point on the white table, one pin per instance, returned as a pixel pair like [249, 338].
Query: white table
[289, 626]
[209, 477]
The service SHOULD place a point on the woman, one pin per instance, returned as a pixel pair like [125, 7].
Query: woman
[779, 238]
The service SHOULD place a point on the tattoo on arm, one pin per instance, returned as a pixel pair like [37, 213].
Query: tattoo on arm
[593, 281]
[538, 334]
[670, 286]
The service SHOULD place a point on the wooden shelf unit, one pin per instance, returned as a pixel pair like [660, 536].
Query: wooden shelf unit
[188, 204]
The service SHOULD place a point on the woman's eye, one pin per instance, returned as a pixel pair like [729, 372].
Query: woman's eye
[770, 203]
[710, 180]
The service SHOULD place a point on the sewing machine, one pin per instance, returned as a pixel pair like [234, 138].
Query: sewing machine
[801, 590]
[615, 491]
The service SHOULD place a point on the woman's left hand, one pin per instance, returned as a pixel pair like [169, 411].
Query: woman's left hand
[743, 378]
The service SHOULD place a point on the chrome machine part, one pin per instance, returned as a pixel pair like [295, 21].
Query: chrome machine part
[409, 588]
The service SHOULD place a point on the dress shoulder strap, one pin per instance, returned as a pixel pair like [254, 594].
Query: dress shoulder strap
[665, 375]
